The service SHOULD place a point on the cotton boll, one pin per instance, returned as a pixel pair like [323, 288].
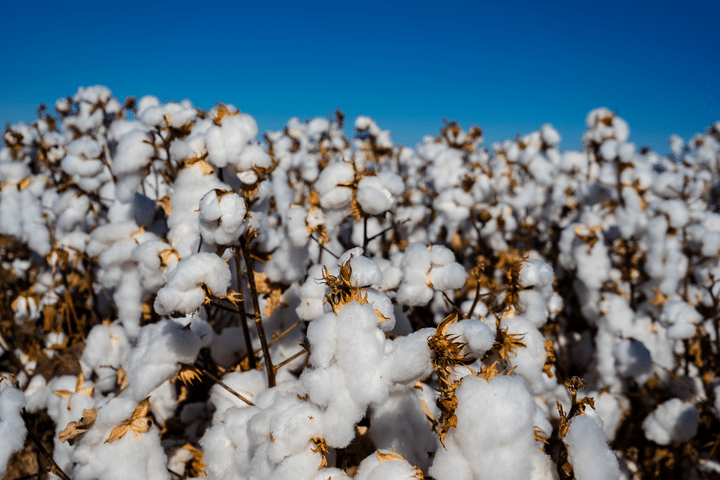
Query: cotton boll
[160, 349]
[104, 347]
[672, 422]
[222, 217]
[248, 384]
[409, 358]
[529, 360]
[448, 277]
[94, 458]
[384, 309]
[328, 185]
[610, 407]
[588, 451]
[536, 272]
[322, 336]
[401, 423]
[478, 337]
[12, 426]
[680, 319]
[183, 292]
[394, 468]
[494, 417]
[360, 352]
[226, 143]
[633, 359]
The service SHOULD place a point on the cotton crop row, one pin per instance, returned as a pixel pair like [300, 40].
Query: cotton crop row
[180, 300]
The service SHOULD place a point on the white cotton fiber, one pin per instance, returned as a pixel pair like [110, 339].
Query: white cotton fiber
[673, 421]
[329, 185]
[156, 358]
[588, 452]
[183, 292]
[225, 143]
[680, 319]
[222, 217]
[495, 432]
[12, 426]
[391, 467]
[633, 359]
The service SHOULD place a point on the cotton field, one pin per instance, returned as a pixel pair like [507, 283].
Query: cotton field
[180, 300]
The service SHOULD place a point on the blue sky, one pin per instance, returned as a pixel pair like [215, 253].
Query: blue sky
[507, 66]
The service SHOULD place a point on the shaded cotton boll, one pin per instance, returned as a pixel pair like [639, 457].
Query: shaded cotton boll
[672, 422]
[156, 357]
[610, 407]
[379, 193]
[227, 142]
[222, 216]
[680, 319]
[183, 292]
[329, 185]
[93, 458]
[408, 358]
[632, 359]
[12, 426]
[588, 452]
[401, 423]
[104, 346]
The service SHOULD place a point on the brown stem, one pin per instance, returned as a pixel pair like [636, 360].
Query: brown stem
[55, 468]
[219, 382]
[258, 316]
[288, 360]
[243, 320]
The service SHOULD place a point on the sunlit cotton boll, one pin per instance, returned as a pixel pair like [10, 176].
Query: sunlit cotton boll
[222, 216]
[183, 292]
[378, 194]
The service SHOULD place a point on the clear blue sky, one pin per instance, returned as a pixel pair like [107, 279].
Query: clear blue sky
[506, 66]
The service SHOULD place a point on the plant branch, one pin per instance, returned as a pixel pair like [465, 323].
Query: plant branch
[258, 315]
[243, 319]
[219, 382]
[31, 433]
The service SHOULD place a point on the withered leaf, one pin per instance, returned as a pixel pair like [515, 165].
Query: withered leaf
[74, 429]
[138, 423]
[386, 457]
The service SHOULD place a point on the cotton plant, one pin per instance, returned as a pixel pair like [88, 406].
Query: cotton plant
[183, 298]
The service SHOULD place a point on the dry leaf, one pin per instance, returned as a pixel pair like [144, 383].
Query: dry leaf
[386, 457]
[138, 423]
[74, 429]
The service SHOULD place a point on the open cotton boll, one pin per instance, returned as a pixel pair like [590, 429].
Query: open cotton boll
[385, 464]
[475, 334]
[156, 357]
[329, 185]
[408, 358]
[680, 319]
[588, 452]
[222, 216]
[633, 359]
[248, 384]
[104, 347]
[401, 423]
[12, 426]
[183, 292]
[673, 421]
[225, 143]
[365, 272]
[378, 194]
[93, 458]
[495, 432]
